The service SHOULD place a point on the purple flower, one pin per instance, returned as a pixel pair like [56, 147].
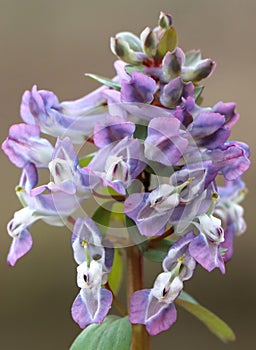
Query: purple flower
[209, 127]
[177, 203]
[65, 172]
[117, 165]
[54, 209]
[154, 307]
[205, 248]
[179, 252]
[166, 142]
[75, 119]
[152, 211]
[87, 243]
[24, 145]
[93, 302]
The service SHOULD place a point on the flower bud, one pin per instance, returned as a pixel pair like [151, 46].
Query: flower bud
[122, 49]
[149, 42]
[172, 63]
[165, 20]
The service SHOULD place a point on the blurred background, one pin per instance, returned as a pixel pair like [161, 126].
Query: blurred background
[52, 43]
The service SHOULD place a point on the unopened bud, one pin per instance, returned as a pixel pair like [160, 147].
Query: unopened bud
[149, 42]
[200, 71]
[172, 64]
[132, 40]
[122, 49]
[165, 20]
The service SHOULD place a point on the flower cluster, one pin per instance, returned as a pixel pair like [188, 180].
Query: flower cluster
[158, 153]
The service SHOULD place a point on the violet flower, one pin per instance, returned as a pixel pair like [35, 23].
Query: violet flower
[24, 145]
[154, 307]
[93, 302]
[74, 119]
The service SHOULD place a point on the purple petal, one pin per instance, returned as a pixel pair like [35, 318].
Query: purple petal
[113, 129]
[20, 246]
[165, 142]
[91, 308]
[206, 253]
[206, 123]
[216, 139]
[228, 110]
[146, 309]
[24, 145]
[140, 88]
[148, 225]
[231, 159]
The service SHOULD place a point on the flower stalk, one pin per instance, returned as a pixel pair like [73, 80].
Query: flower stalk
[134, 265]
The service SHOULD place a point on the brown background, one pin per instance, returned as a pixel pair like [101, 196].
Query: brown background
[53, 43]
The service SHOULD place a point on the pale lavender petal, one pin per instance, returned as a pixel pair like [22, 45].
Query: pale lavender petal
[165, 316]
[20, 246]
[140, 88]
[120, 70]
[83, 105]
[146, 309]
[91, 306]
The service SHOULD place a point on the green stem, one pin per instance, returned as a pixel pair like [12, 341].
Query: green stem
[140, 337]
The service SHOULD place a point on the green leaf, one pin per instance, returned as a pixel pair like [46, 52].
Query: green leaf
[198, 92]
[113, 334]
[105, 81]
[159, 252]
[102, 216]
[141, 132]
[211, 321]
[116, 273]
[83, 162]
[167, 43]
